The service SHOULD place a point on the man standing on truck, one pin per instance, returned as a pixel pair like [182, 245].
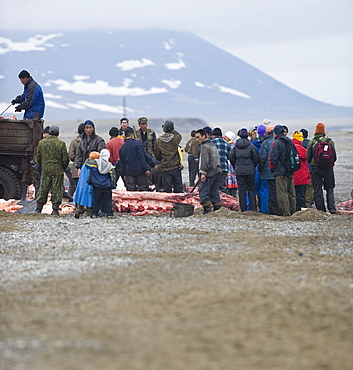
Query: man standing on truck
[32, 99]
[53, 158]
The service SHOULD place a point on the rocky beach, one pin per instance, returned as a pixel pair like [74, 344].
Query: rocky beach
[219, 291]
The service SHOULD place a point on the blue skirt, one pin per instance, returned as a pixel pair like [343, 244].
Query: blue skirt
[84, 191]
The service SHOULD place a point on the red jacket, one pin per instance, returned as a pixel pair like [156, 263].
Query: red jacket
[302, 176]
[114, 145]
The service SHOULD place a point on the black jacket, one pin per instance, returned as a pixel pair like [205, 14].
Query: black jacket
[96, 144]
[278, 155]
[244, 157]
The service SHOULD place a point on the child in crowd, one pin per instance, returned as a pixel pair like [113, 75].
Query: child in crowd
[101, 177]
[84, 191]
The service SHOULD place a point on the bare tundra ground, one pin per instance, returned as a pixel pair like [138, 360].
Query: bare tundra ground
[221, 291]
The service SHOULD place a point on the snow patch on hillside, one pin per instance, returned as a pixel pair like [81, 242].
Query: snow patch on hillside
[81, 77]
[176, 65]
[231, 91]
[52, 96]
[168, 45]
[128, 65]
[100, 87]
[199, 84]
[104, 107]
[53, 104]
[173, 84]
[35, 43]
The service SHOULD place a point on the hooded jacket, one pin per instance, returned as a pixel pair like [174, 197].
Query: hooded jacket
[244, 157]
[96, 144]
[265, 150]
[101, 172]
[302, 176]
[166, 150]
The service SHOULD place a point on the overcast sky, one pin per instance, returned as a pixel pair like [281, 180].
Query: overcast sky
[306, 44]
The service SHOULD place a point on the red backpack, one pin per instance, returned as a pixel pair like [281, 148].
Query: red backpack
[323, 154]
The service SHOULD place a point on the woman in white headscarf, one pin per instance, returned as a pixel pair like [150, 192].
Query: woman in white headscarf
[101, 177]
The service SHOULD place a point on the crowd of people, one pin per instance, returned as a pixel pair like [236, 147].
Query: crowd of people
[271, 172]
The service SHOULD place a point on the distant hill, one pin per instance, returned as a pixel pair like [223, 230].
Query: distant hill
[153, 73]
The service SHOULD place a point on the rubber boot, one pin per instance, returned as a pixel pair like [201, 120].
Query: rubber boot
[55, 209]
[89, 211]
[207, 209]
[216, 207]
[39, 208]
[79, 211]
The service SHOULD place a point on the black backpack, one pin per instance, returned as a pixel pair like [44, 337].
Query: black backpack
[292, 159]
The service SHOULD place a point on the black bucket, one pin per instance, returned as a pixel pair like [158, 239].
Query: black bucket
[183, 209]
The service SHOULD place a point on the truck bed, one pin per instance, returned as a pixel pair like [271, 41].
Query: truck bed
[20, 137]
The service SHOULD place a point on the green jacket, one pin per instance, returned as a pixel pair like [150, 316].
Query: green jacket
[192, 147]
[166, 150]
[310, 151]
[52, 156]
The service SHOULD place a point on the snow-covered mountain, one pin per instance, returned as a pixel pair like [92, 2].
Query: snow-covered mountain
[155, 73]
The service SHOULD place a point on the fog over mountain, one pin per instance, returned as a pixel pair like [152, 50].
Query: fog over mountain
[155, 73]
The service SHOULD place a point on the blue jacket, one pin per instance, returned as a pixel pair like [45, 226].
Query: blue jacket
[134, 161]
[264, 168]
[99, 180]
[32, 100]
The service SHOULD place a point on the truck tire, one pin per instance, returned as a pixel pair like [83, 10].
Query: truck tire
[10, 186]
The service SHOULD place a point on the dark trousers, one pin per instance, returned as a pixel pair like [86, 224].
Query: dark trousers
[118, 174]
[137, 183]
[102, 202]
[223, 182]
[323, 179]
[272, 197]
[193, 169]
[246, 185]
[73, 184]
[209, 191]
[172, 180]
[299, 197]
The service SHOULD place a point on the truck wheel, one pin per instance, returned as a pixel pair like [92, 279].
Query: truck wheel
[10, 186]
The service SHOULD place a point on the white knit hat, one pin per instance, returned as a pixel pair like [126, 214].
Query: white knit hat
[230, 135]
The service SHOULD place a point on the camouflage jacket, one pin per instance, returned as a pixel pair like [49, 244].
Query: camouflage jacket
[149, 144]
[52, 156]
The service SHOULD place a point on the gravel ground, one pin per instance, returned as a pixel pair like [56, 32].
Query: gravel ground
[220, 291]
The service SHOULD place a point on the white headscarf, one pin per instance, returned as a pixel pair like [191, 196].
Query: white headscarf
[105, 154]
[104, 166]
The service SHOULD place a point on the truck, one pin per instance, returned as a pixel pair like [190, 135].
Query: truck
[18, 144]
